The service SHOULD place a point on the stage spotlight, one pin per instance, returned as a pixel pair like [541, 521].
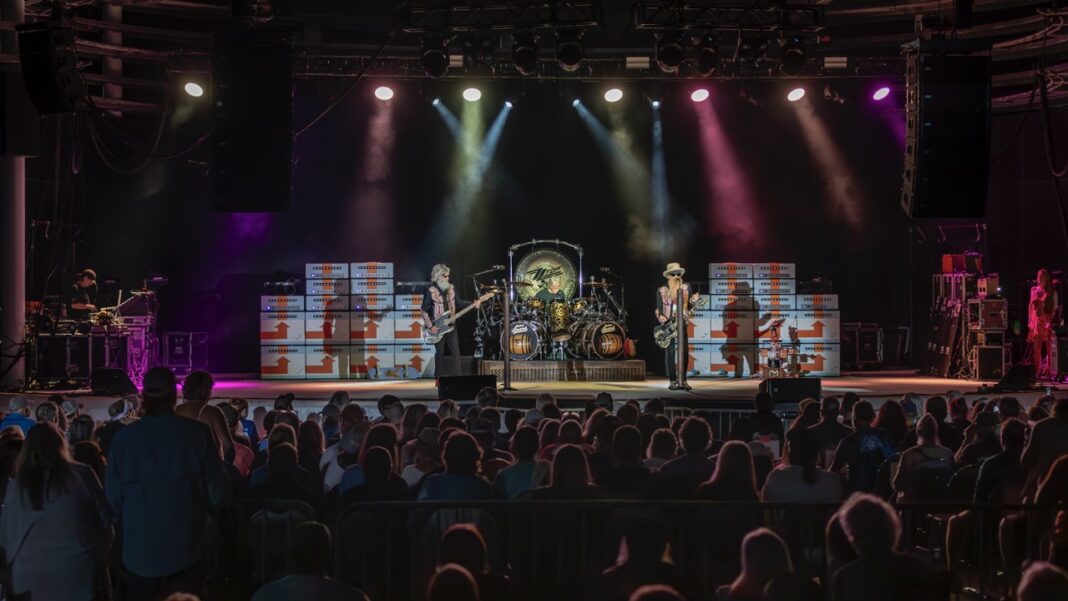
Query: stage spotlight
[435, 101]
[576, 102]
[472, 94]
[699, 95]
[613, 95]
[525, 53]
[751, 52]
[669, 52]
[793, 55]
[508, 103]
[435, 56]
[707, 55]
[569, 49]
[796, 94]
[193, 89]
[656, 104]
[383, 92]
[880, 94]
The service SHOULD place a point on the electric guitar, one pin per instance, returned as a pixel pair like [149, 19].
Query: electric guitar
[447, 322]
[664, 333]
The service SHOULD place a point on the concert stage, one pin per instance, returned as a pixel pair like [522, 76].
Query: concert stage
[710, 393]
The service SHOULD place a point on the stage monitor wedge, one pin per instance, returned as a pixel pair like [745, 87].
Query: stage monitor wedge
[252, 120]
[947, 133]
[792, 390]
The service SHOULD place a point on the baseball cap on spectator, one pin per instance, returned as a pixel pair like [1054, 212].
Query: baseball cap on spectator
[910, 407]
[70, 407]
[118, 409]
[159, 380]
[284, 401]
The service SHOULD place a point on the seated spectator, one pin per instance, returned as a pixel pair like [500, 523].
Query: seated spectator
[640, 562]
[10, 447]
[764, 558]
[686, 472]
[527, 473]
[81, 428]
[285, 479]
[980, 441]
[120, 413]
[512, 418]
[88, 453]
[849, 400]
[799, 480]
[460, 481]
[948, 435]
[924, 470]
[280, 434]
[310, 446]
[425, 457]
[829, 432]
[569, 479]
[1042, 582]
[493, 459]
[766, 422]
[244, 456]
[600, 461]
[892, 419]
[49, 411]
[662, 448]
[1004, 469]
[380, 435]
[18, 414]
[733, 479]
[56, 524]
[258, 415]
[487, 397]
[284, 402]
[862, 452]
[792, 586]
[452, 583]
[350, 420]
[543, 399]
[764, 456]
[628, 478]
[312, 556]
[463, 545]
[839, 550]
[1048, 442]
[808, 416]
[429, 420]
[656, 592]
[910, 405]
[248, 426]
[628, 415]
[1053, 487]
[873, 529]
[390, 410]
[381, 483]
[958, 412]
[448, 408]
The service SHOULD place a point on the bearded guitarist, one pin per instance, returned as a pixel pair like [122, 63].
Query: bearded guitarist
[439, 298]
[667, 309]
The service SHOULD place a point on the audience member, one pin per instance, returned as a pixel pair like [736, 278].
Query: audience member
[1043, 581]
[448, 408]
[10, 447]
[380, 483]
[569, 478]
[958, 413]
[81, 428]
[463, 545]
[656, 592]
[526, 473]
[350, 421]
[829, 432]
[390, 410]
[452, 583]
[49, 411]
[425, 457]
[628, 479]
[980, 440]
[248, 426]
[792, 586]
[164, 476]
[662, 448]
[284, 401]
[120, 412]
[1003, 469]
[641, 561]
[733, 478]
[864, 451]
[764, 558]
[196, 390]
[892, 420]
[764, 420]
[849, 400]
[600, 461]
[683, 474]
[487, 397]
[56, 526]
[923, 471]
[383, 435]
[244, 456]
[799, 480]
[948, 435]
[89, 454]
[460, 481]
[1049, 441]
[311, 554]
[18, 415]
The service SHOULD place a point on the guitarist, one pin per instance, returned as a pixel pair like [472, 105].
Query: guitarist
[439, 298]
[666, 309]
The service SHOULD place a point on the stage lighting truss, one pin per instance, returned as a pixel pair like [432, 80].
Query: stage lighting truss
[569, 49]
[801, 16]
[669, 51]
[525, 53]
[751, 52]
[793, 54]
[423, 17]
[478, 50]
[434, 55]
[707, 55]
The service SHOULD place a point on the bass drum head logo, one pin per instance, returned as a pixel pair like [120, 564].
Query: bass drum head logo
[540, 265]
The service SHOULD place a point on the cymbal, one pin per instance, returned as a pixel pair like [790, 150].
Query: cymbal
[598, 284]
[521, 284]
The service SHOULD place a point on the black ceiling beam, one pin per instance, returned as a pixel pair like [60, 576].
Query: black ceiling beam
[462, 18]
[676, 15]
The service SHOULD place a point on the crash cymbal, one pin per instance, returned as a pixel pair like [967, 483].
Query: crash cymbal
[598, 284]
[520, 284]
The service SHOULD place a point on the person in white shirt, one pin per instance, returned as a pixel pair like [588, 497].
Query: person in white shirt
[799, 480]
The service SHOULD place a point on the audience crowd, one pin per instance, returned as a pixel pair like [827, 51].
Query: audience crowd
[181, 495]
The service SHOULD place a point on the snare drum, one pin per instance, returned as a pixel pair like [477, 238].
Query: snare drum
[523, 340]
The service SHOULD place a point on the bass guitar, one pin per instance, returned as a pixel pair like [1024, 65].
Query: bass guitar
[447, 322]
[664, 333]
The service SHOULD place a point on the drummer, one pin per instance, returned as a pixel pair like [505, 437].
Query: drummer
[551, 292]
[82, 299]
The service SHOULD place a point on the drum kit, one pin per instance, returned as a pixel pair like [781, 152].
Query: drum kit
[580, 320]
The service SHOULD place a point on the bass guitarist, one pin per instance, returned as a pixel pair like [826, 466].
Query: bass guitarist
[439, 298]
[666, 309]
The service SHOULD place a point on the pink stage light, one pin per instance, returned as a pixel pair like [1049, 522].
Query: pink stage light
[699, 95]
[881, 93]
[796, 94]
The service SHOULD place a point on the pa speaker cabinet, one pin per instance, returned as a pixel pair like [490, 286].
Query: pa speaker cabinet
[792, 390]
[463, 388]
[111, 381]
[990, 362]
[252, 116]
[50, 66]
[947, 133]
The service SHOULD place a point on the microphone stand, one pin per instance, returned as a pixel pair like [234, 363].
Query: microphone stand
[680, 341]
[506, 385]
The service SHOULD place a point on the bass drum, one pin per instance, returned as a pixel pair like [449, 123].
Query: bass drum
[599, 339]
[523, 340]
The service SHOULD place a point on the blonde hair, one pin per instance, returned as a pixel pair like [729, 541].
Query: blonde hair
[439, 271]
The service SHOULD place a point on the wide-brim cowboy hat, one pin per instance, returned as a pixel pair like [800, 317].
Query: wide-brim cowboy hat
[673, 268]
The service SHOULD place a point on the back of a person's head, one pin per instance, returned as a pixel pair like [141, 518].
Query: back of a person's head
[958, 407]
[764, 557]
[627, 445]
[548, 432]
[870, 524]
[606, 430]
[281, 434]
[47, 411]
[645, 540]
[311, 548]
[81, 428]
[197, 386]
[936, 406]
[604, 399]
[351, 415]
[487, 397]
[284, 401]
[695, 435]
[628, 415]
[448, 408]
[525, 443]
[89, 453]
[1060, 408]
[849, 400]
[462, 544]
[570, 470]
[927, 430]
[1042, 581]
[839, 549]
[385, 402]
[743, 429]
[288, 418]
[734, 465]
[1013, 434]
[570, 432]
[461, 454]
[42, 463]
[792, 586]
[339, 398]
[829, 407]
[310, 438]
[377, 465]
[863, 412]
[452, 582]
[804, 447]
[381, 435]
[764, 401]
[655, 406]
[663, 444]
[413, 418]
[552, 411]
[1009, 408]
[656, 592]
[493, 416]
[543, 399]
[282, 457]
[891, 416]
[512, 417]
[452, 423]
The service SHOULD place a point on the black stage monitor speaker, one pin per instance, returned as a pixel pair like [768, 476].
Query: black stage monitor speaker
[792, 390]
[252, 115]
[111, 381]
[463, 388]
[1019, 377]
[947, 138]
[50, 67]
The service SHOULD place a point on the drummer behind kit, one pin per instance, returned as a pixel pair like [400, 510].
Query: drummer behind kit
[447, 322]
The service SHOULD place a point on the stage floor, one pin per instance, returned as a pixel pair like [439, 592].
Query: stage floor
[707, 392]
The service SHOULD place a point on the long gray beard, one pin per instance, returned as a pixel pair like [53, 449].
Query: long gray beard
[443, 285]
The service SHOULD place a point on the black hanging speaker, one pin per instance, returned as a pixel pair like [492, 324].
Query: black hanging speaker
[792, 390]
[50, 66]
[947, 129]
[111, 381]
[252, 115]
[463, 388]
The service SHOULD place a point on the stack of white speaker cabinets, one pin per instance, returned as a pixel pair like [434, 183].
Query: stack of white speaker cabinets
[348, 324]
[744, 299]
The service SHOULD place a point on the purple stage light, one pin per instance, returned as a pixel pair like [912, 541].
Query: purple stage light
[881, 93]
[699, 95]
